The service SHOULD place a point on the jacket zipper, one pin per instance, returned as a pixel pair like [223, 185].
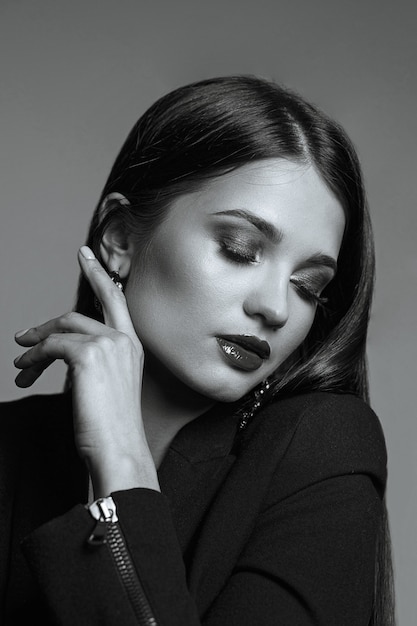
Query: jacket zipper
[107, 531]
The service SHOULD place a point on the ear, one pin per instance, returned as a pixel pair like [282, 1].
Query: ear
[116, 248]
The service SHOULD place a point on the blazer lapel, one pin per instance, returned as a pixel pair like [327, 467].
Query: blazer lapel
[195, 466]
[229, 517]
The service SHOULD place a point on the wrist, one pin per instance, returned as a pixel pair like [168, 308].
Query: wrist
[118, 472]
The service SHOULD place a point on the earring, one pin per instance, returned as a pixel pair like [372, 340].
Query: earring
[115, 277]
[249, 413]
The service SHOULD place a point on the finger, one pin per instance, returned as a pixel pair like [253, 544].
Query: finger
[68, 323]
[55, 346]
[27, 377]
[113, 301]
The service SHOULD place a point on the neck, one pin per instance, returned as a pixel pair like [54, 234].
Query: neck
[167, 406]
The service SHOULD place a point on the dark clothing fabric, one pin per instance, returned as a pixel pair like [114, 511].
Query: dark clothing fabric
[276, 526]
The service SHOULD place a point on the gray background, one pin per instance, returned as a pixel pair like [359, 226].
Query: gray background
[76, 75]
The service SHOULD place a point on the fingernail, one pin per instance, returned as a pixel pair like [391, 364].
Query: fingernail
[87, 252]
[20, 333]
[15, 361]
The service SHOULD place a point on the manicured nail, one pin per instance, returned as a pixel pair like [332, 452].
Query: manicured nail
[20, 333]
[87, 252]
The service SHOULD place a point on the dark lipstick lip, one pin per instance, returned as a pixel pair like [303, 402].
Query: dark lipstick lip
[238, 356]
[250, 342]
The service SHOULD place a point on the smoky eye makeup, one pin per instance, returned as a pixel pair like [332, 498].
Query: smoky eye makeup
[246, 244]
[239, 245]
[311, 285]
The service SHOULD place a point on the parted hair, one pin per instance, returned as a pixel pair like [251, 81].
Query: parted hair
[208, 128]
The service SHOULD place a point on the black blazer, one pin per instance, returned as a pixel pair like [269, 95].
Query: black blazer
[276, 526]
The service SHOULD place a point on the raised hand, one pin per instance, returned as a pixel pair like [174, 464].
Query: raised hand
[105, 364]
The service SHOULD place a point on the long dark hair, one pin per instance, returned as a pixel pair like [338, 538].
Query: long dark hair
[208, 128]
[211, 127]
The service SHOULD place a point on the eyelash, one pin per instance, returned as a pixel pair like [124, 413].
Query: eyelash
[245, 254]
[240, 253]
[310, 296]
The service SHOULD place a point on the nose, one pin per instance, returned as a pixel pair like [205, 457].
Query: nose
[269, 300]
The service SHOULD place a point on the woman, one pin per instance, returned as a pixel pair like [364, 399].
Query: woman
[213, 459]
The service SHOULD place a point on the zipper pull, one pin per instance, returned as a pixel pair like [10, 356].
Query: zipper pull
[98, 536]
[104, 512]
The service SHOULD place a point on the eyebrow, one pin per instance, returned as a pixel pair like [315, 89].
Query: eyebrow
[275, 235]
[270, 231]
[323, 259]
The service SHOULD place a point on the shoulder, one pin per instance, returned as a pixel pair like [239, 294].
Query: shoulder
[36, 413]
[36, 434]
[320, 435]
[37, 402]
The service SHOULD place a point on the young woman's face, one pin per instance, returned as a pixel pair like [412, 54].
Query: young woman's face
[230, 285]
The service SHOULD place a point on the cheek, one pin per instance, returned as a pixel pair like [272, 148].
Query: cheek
[174, 281]
[304, 330]
[296, 330]
[302, 320]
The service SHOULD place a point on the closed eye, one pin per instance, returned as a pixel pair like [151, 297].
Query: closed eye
[310, 296]
[240, 250]
[310, 288]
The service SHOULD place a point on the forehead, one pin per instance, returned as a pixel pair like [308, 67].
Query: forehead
[290, 195]
[275, 181]
[267, 182]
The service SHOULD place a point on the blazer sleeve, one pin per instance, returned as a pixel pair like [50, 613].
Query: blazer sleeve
[80, 583]
[309, 559]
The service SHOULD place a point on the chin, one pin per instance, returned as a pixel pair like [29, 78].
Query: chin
[218, 384]
[224, 391]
